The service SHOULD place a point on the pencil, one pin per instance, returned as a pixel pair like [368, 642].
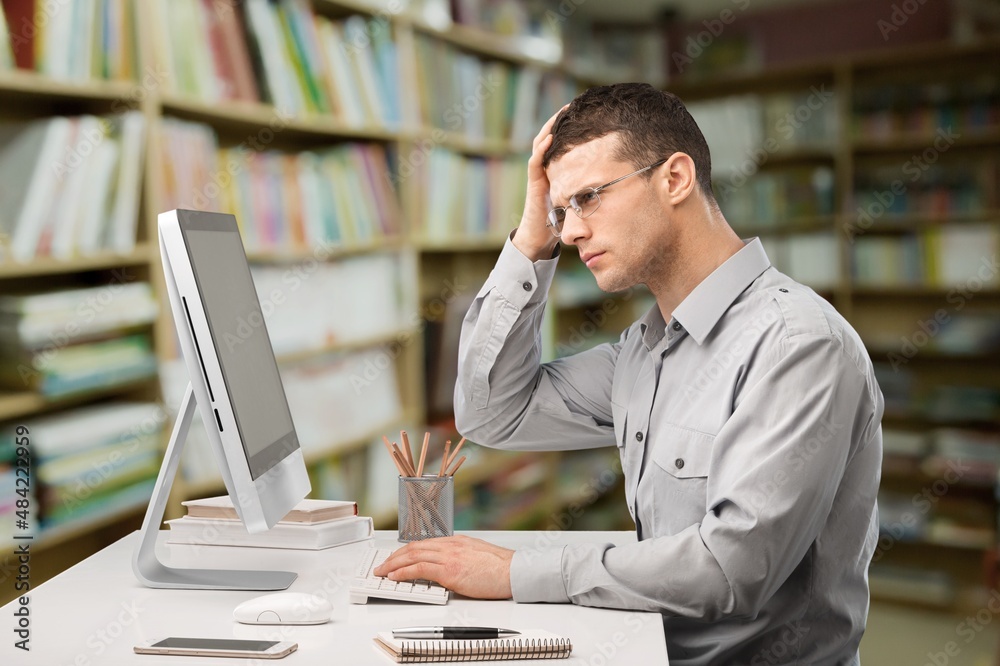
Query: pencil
[392, 454]
[454, 469]
[406, 466]
[407, 453]
[444, 458]
[454, 452]
[423, 454]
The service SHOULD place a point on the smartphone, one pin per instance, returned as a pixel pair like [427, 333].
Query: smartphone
[217, 647]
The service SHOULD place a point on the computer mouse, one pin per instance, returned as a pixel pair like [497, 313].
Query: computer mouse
[284, 608]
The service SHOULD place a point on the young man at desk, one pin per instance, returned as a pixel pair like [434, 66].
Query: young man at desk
[744, 407]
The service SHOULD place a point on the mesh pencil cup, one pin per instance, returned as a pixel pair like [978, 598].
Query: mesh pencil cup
[426, 507]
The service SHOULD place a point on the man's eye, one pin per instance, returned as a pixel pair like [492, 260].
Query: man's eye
[585, 198]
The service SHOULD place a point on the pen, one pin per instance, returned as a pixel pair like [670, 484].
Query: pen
[452, 632]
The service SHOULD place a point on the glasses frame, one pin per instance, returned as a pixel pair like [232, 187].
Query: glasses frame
[554, 226]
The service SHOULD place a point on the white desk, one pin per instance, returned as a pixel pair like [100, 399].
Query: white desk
[96, 611]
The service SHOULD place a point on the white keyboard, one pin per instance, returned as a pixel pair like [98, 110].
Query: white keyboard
[367, 584]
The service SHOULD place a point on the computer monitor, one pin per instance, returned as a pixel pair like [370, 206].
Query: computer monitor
[235, 382]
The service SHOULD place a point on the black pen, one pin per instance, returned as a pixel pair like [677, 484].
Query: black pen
[452, 632]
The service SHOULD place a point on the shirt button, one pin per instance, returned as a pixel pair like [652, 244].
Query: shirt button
[527, 286]
[680, 463]
[783, 290]
[638, 436]
[677, 326]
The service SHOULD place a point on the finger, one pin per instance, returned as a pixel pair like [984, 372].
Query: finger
[418, 571]
[547, 127]
[407, 556]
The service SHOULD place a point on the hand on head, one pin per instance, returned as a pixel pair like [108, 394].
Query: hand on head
[533, 238]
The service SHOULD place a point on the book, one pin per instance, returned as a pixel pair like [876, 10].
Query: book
[308, 511]
[295, 536]
[529, 645]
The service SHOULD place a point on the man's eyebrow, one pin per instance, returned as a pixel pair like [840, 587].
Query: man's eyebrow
[555, 200]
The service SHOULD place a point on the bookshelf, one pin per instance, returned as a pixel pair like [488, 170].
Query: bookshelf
[225, 116]
[910, 234]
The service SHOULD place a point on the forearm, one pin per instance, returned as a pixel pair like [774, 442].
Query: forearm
[504, 396]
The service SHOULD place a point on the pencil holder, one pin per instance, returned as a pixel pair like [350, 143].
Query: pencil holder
[426, 507]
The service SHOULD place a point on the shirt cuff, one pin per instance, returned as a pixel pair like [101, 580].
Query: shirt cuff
[520, 281]
[536, 576]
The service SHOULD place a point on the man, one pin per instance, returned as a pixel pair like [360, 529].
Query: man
[744, 407]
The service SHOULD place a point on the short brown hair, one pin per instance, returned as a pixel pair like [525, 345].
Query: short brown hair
[651, 125]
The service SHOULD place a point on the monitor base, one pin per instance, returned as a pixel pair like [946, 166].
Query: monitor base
[145, 564]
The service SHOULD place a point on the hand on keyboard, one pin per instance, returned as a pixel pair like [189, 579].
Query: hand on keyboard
[366, 584]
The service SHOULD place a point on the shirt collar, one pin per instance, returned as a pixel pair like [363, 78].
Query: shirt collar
[705, 305]
[701, 310]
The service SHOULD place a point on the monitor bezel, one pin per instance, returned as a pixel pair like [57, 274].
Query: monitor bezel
[261, 501]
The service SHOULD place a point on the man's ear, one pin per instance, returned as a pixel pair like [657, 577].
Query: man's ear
[678, 178]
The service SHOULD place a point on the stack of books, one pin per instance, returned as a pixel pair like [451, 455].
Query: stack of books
[63, 342]
[311, 525]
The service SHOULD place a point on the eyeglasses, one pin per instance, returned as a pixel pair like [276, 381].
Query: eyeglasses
[586, 201]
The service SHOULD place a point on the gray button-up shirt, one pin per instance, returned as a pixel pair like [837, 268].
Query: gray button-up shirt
[750, 438]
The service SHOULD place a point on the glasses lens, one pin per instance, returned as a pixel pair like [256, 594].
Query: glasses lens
[556, 218]
[585, 201]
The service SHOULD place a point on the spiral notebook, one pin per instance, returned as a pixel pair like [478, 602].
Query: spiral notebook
[529, 645]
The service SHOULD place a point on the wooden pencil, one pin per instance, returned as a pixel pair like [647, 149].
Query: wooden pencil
[423, 454]
[454, 469]
[444, 458]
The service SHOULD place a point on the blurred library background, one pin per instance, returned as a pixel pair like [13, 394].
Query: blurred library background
[374, 154]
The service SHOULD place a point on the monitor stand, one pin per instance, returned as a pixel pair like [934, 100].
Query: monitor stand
[148, 568]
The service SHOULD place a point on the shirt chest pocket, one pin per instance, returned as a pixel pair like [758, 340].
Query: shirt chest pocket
[675, 483]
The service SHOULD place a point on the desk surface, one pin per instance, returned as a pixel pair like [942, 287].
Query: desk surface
[95, 612]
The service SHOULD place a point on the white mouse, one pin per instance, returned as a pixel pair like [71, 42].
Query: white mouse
[284, 608]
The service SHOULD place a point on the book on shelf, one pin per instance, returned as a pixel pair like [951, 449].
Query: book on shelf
[80, 41]
[307, 511]
[73, 184]
[511, 102]
[284, 54]
[37, 319]
[93, 459]
[295, 325]
[457, 196]
[296, 536]
[81, 367]
[535, 644]
[282, 201]
[909, 584]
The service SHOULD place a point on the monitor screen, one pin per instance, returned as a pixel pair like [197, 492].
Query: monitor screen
[241, 341]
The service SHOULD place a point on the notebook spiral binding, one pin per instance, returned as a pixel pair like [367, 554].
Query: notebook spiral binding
[512, 648]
